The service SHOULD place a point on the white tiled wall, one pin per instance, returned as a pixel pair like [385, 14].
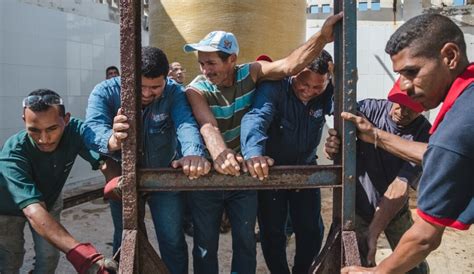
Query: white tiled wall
[374, 66]
[44, 47]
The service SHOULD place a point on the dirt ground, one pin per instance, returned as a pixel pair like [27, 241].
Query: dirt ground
[91, 222]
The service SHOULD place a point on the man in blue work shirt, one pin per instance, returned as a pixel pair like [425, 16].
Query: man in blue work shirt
[167, 122]
[383, 179]
[284, 126]
[34, 166]
[429, 52]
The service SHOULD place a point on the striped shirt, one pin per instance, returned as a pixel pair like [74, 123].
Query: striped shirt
[229, 104]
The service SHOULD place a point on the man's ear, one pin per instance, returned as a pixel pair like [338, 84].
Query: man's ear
[451, 55]
[67, 117]
[233, 58]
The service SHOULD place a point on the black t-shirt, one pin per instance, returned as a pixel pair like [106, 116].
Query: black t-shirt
[376, 168]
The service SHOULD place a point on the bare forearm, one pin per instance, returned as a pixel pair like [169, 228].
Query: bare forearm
[415, 245]
[303, 55]
[111, 169]
[213, 139]
[407, 150]
[393, 200]
[48, 228]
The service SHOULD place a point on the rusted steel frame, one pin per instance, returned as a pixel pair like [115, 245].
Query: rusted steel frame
[349, 104]
[130, 59]
[130, 249]
[149, 261]
[281, 177]
[328, 260]
[83, 198]
[345, 100]
[350, 248]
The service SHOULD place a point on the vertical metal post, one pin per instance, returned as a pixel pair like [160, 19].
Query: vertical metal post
[349, 104]
[130, 59]
[346, 83]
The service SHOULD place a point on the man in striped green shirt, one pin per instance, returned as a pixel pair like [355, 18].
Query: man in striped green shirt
[219, 99]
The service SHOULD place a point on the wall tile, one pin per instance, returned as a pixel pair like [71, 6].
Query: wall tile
[10, 81]
[11, 112]
[73, 82]
[73, 55]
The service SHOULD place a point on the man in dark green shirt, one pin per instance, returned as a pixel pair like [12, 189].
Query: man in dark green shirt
[35, 164]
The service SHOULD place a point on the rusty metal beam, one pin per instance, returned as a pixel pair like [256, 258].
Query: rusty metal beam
[329, 260]
[346, 82]
[149, 261]
[130, 58]
[83, 197]
[349, 104]
[281, 177]
[130, 248]
[350, 248]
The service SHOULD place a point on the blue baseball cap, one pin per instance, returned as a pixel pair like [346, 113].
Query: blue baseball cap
[216, 41]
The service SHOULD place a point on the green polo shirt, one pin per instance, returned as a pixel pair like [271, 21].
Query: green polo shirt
[28, 175]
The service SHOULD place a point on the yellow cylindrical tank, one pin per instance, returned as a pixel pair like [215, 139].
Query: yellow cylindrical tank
[273, 27]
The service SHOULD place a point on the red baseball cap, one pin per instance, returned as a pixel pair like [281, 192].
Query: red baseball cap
[264, 57]
[400, 97]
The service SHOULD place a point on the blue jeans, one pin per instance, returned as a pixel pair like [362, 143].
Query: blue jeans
[12, 243]
[206, 209]
[167, 210]
[305, 211]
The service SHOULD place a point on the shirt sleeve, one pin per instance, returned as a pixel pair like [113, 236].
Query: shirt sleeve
[410, 173]
[101, 109]
[187, 129]
[256, 122]
[373, 109]
[18, 180]
[84, 132]
[445, 193]
[329, 99]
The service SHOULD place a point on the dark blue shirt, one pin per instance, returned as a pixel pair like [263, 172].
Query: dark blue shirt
[376, 169]
[446, 187]
[279, 125]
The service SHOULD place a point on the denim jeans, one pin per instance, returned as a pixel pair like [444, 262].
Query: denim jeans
[12, 243]
[394, 232]
[206, 209]
[305, 212]
[167, 213]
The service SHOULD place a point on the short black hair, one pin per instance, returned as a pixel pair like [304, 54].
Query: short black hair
[426, 35]
[154, 62]
[321, 63]
[41, 106]
[223, 55]
[111, 68]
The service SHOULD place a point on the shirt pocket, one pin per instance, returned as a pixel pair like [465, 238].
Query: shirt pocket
[315, 130]
[160, 127]
[160, 144]
[286, 126]
[287, 132]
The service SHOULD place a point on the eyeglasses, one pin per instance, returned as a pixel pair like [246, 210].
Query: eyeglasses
[48, 99]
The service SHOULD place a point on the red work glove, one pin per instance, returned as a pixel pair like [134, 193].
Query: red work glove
[87, 260]
[113, 189]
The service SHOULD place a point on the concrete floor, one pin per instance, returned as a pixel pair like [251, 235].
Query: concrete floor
[91, 222]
